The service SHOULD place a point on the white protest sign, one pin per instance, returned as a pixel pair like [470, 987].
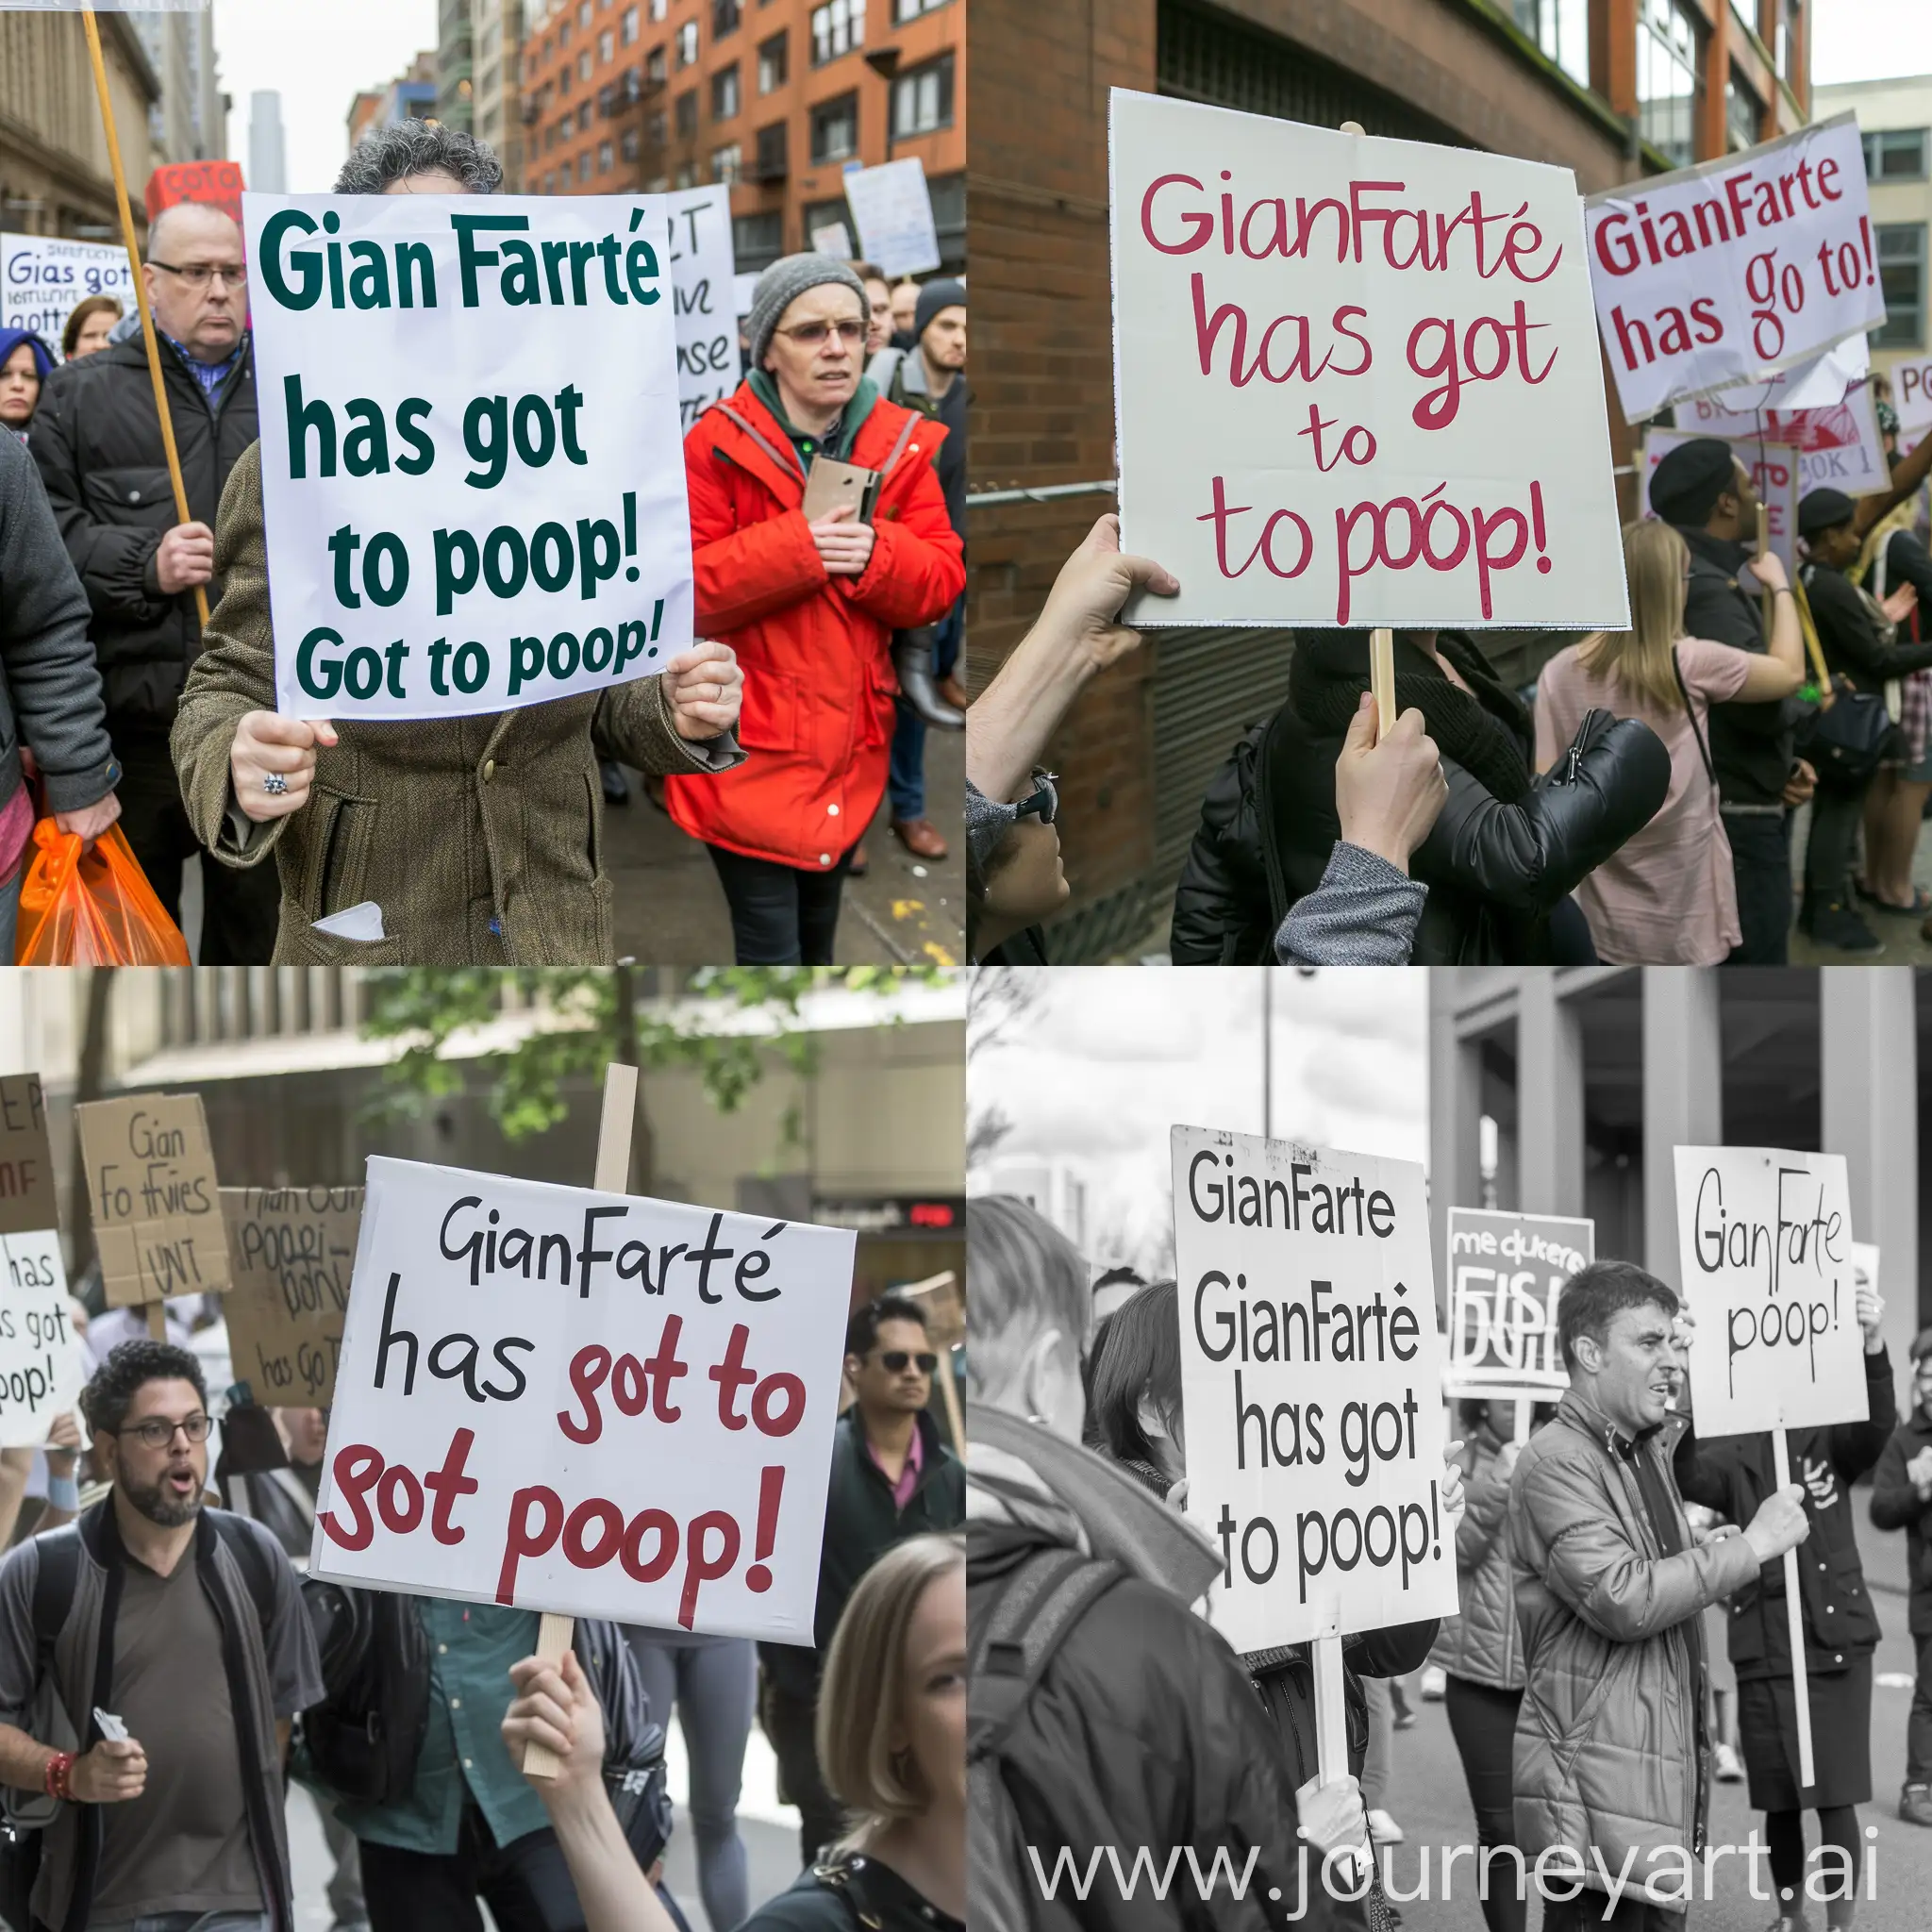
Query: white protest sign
[585, 1403]
[704, 270]
[892, 208]
[832, 238]
[473, 475]
[1912, 396]
[1765, 1241]
[1356, 380]
[1819, 384]
[1838, 447]
[1310, 1366]
[42, 1370]
[1506, 1272]
[44, 278]
[1774, 468]
[744, 290]
[1722, 273]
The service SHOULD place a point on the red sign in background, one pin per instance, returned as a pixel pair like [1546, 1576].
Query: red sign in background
[218, 183]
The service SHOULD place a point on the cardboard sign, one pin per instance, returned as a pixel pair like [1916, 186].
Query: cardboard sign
[1912, 396]
[1838, 447]
[585, 1403]
[1310, 1377]
[151, 1183]
[290, 1253]
[1774, 468]
[893, 206]
[1506, 1272]
[702, 270]
[1356, 380]
[1765, 1240]
[43, 1367]
[44, 278]
[218, 183]
[28, 1198]
[1724, 271]
[473, 473]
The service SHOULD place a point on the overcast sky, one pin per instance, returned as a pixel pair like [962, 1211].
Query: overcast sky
[1870, 39]
[1109, 1059]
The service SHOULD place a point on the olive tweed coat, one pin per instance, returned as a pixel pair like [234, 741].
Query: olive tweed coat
[480, 838]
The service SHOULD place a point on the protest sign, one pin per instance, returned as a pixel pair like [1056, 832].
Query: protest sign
[1774, 468]
[1838, 447]
[151, 1183]
[892, 208]
[1724, 271]
[1912, 396]
[1505, 1272]
[1310, 1366]
[44, 278]
[1819, 384]
[42, 1367]
[29, 1199]
[833, 239]
[218, 183]
[585, 1403]
[703, 274]
[473, 474]
[291, 1253]
[1765, 1240]
[104, 5]
[1356, 380]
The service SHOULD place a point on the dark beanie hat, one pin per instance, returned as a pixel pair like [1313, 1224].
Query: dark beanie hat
[1819, 509]
[943, 293]
[782, 284]
[1689, 481]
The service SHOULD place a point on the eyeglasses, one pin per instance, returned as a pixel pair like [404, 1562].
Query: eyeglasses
[159, 1433]
[1045, 800]
[812, 333]
[199, 275]
[895, 1359]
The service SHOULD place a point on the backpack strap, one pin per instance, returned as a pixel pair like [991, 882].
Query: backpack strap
[54, 1582]
[789, 463]
[1684, 693]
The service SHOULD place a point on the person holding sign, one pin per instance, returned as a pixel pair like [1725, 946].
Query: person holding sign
[512, 874]
[818, 529]
[1734, 1476]
[1902, 1499]
[1610, 1587]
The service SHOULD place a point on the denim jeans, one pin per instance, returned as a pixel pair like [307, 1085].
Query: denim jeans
[907, 774]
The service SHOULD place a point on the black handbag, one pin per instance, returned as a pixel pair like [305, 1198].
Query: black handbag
[1845, 741]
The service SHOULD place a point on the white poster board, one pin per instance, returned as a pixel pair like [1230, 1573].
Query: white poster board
[1838, 447]
[893, 206]
[1819, 384]
[42, 1370]
[1310, 1377]
[1340, 399]
[1722, 273]
[44, 278]
[473, 470]
[1765, 1244]
[704, 268]
[1912, 396]
[833, 239]
[1506, 1272]
[1774, 468]
[586, 1403]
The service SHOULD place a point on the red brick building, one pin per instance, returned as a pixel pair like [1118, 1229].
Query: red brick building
[777, 97]
[1611, 89]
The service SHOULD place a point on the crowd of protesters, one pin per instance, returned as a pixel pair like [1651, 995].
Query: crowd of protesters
[139, 646]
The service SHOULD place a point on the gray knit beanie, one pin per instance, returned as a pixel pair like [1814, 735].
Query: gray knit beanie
[783, 283]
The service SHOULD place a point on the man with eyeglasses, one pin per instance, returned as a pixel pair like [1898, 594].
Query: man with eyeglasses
[891, 1477]
[177, 1648]
[97, 441]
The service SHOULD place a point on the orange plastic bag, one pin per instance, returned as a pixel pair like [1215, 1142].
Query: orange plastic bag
[92, 908]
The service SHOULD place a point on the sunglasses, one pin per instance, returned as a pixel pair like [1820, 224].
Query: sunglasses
[895, 1360]
[1043, 799]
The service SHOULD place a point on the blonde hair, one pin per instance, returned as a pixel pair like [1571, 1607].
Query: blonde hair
[863, 1701]
[1655, 560]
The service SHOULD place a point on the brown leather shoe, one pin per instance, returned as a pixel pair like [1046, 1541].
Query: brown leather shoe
[953, 691]
[920, 837]
[860, 864]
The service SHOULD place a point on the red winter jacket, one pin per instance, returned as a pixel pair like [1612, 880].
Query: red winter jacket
[819, 683]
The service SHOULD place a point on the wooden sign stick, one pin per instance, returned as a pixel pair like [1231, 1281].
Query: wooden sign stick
[1382, 681]
[1331, 1722]
[555, 1633]
[1766, 596]
[1525, 1415]
[147, 321]
[1801, 1689]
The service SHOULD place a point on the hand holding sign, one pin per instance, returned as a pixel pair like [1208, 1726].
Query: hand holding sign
[556, 1710]
[185, 559]
[1780, 1524]
[1387, 790]
[703, 688]
[269, 746]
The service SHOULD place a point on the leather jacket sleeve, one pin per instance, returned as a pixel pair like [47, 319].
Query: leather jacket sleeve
[1529, 854]
[1222, 911]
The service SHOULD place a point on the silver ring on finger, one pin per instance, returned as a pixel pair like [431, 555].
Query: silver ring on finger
[275, 784]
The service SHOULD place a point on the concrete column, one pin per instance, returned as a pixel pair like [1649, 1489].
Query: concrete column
[1549, 1098]
[1455, 1107]
[1683, 1096]
[1868, 1043]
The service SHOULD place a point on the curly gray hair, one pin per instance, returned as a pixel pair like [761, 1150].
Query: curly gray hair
[386, 154]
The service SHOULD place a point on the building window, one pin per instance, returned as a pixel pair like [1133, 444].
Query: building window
[688, 43]
[911, 10]
[923, 99]
[772, 164]
[727, 163]
[1895, 154]
[630, 28]
[1669, 78]
[837, 28]
[657, 7]
[1740, 112]
[654, 127]
[1561, 29]
[584, 14]
[584, 118]
[686, 111]
[725, 18]
[605, 158]
[725, 94]
[819, 215]
[835, 129]
[757, 241]
[607, 46]
[772, 65]
[1786, 36]
[654, 65]
[550, 182]
[584, 165]
[630, 145]
[584, 64]
[686, 176]
[1902, 276]
[563, 38]
[563, 81]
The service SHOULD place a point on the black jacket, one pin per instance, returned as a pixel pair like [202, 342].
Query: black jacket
[862, 1523]
[1495, 871]
[1733, 1474]
[1285, 1681]
[855, 1894]
[1848, 633]
[1896, 1505]
[98, 443]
